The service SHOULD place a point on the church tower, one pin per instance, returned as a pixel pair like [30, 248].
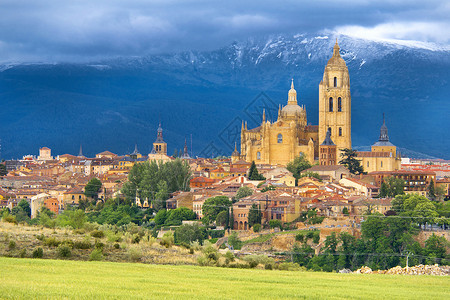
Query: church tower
[335, 102]
[159, 146]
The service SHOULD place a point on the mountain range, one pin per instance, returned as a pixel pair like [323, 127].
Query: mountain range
[202, 97]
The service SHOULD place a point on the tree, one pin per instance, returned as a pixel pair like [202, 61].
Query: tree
[176, 216]
[222, 218]
[299, 164]
[161, 217]
[25, 206]
[253, 173]
[189, 233]
[3, 170]
[254, 215]
[92, 188]
[213, 206]
[243, 191]
[431, 192]
[392, 187]
[161, 195]
[311, 174]
[22, 211]
[350, 162]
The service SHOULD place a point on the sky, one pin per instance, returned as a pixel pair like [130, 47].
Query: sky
[83, 30]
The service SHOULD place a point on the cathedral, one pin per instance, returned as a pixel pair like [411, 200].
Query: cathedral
[280, 142]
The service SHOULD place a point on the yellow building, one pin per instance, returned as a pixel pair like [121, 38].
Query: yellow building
[383, 156]
[335, 102]
[290, 136]
[280, 142]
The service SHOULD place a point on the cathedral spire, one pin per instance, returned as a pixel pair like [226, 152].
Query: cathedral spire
[264, 115]
[80, 154]
[336, 49]
[384, 132]
[292, 96]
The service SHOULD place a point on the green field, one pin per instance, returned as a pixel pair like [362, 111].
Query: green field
[28, 278]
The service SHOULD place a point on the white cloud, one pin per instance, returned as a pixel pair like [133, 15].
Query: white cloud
[421, 31]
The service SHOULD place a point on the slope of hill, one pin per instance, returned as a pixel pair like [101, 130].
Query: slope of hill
[118, 102]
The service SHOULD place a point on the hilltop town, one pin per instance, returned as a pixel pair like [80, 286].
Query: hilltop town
[287, 175]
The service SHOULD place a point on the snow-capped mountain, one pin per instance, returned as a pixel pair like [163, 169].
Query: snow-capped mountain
[115, 103]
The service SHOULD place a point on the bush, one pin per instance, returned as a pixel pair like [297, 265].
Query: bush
[268, 266]
[134, 254]
[257, 228]
[79, 231]
[316, 237]
[309, 234]
[99, 245]
[82, 245]
[299, 237]
[275, 223]
[23, 253]
[40, 237]
[210, 255]
[234, 241]
[9, 218]
[96, 255]
[52, 242]
[136, 239]
[38, 253]
[189, 233]
[216, 233]
[116, 246]
[254, 260]
[289, 266]
[64, 251]
[98, 234]
[12, 245]
[167, 239]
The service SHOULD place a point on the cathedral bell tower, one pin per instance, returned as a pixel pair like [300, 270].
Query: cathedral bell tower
[335, 102]
[159, 146]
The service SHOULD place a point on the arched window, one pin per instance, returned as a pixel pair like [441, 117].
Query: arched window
[340, 131]
[329, 128]
[335, 81]
[258, 155]
[367, 164]
[381, 164]
[331, 104]
[339, 104]
[280, 138]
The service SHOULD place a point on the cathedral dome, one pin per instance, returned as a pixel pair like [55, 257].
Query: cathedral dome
[292, 110]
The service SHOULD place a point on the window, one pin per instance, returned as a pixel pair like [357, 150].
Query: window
[339, 104]
[340, 131]
[367, 164]
[381, 164]
[329, 129]
[280, 138]
[258, 155]
[335, 81]
[330, 106]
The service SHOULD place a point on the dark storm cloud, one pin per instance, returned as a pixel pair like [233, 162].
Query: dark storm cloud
[55, 30]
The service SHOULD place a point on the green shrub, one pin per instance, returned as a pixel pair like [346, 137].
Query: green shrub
[309, 234]
[234, 241]
[167, 239]
[79, 231]
[98, 234]
[299, 237]
[64, 251]
[23, 253]
[229, 256]
[96, 255]
[275, 223]
[254, 260]
[99, 245]
[82, 245]
[116, 246]
[316, 237]
[289, 266]
[38, 253]
[9, 218]
[11, 245]
[216, 233]
[40, 237]
[52, 242]
[268, 266]
[257, 228]
[134, 254]
[136, 239]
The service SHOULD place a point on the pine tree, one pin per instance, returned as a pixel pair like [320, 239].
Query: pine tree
[431, 191]
[253, 173]
[350, 162]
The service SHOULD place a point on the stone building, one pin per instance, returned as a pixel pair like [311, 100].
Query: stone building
[290, 136]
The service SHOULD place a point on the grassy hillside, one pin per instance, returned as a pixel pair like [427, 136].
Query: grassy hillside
[28, 278]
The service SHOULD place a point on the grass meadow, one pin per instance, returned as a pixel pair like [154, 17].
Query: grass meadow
[42, 278]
